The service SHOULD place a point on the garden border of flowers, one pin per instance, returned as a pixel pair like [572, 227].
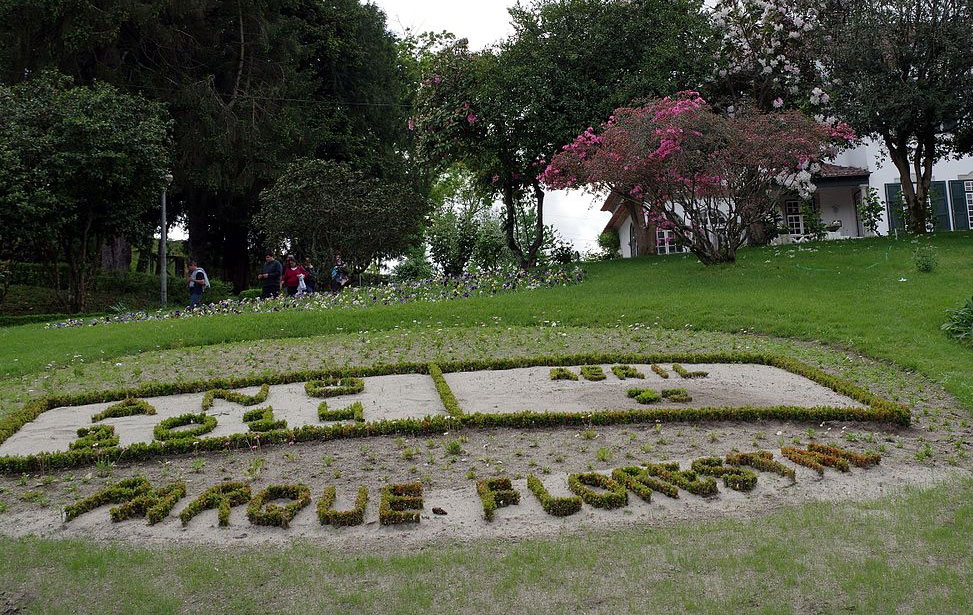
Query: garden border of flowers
[877, 409]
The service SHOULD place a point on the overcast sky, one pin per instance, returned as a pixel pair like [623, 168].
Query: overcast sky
[575, 215]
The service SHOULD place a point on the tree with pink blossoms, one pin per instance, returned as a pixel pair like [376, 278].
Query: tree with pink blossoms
[709, 178]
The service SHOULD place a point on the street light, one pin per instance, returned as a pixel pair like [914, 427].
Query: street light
[163, 269]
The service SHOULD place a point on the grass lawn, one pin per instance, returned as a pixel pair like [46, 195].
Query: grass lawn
[904, 553]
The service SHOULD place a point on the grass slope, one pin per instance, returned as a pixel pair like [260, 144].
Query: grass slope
[843, 293]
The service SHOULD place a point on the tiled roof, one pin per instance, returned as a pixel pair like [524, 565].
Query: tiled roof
[829, 171]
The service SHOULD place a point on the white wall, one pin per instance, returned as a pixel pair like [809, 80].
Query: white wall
[871, 155]
[624, 237]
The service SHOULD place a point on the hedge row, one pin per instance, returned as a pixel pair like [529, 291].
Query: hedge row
[333, 386]
[355, 411]
[865, 460]
[644, 396]
[445, 393]
[659, 370]
[763, 461]
[677, 395]
[327, 515]
[154, 505]
[96, 437]
[261, 513]
[684, 479]
[638, 481]
[122, 491]
[562, 373]
[685, 373]
[126, 407]
[164, 430]
[623, 372]
[262, 420]
[400, 503]
[615, 495]
[734, 477]
[222, 497]
[815, 460]
[878, 410]
[593, 373]
[236, 397]
[557, 507]
[496, 493]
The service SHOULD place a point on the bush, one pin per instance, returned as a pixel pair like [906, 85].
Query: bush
[815, 460]
[644, 396]
[593, 372]
[615, 497]
[355, 411]
[860, 460]
[450, 403]
[126, 407]
[261, 513]
[153, 505]
[959, 324]
[163, 431]
[684, 479]
[638, 481]
[685, 373]
[496, 493]
[659, 370]
[734, 477]
[97, 437]
[677, 395]
[562, 373]
[262, 420]
[236, 397]
[122, 491]
[222, 497]
[626, 371]
[327, 515]
[556, 507]
[925, 258]
[334, 386]
[610, 245]
[400, 503]
[761, 460]
[250, 293]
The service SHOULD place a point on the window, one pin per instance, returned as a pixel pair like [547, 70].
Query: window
[969, 206]
[968, 186]
[665, 243]
[795, 219]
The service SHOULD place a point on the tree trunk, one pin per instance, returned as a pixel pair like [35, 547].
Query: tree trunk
[524, 260]
[116, 254]
[236, 257]
[915, 196]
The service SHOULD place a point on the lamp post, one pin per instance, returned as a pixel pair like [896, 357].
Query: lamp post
[163, 241]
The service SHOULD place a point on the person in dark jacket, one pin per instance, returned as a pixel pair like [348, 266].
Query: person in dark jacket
[271, 277]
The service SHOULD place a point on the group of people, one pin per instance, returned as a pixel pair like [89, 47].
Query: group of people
[296, 279]
[291, 277]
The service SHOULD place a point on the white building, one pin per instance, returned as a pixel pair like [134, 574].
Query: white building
[840, 187]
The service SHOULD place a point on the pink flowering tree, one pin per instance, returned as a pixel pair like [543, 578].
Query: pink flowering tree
[707, 177]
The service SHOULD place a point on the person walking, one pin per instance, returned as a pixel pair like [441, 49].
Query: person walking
[311, 277]
[339, 274]
[198, 282]
[293, 277]
[272, 271]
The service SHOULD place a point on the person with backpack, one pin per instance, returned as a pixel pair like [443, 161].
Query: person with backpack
[339, 274]
[293, 277]
[198, 282]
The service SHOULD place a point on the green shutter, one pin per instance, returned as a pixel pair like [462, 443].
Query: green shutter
[940, 206]
[893, 201]
[961, 213]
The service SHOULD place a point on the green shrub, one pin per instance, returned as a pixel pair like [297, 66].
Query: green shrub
[251, 293]
[734, 477]
[677, 395]
[593, 372]
[684, 479]
[495, 493]
[355, 412]
[659, 370]
[638, 481]
[685, 373]
[261, 513]
[959, 323]
[761, 460]
[97, 437]
[262, 420]
[400, 503]
[164, 430]
[454, 447]
[860, 460]
[222, 497]
[236, 397]
[327, 515]
[450, 403]
[562, 373]
[154, 505]
[556, 507]
[815, 460]
[626, 371]
[616, 495]
[644, 396]
[126, 407]
[122, 491]
[925, 258]
[334, 386]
